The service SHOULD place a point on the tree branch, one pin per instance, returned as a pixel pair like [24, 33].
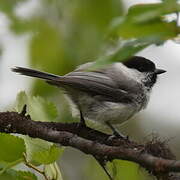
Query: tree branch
[153, 156]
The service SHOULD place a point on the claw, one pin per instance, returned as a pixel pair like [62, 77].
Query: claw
[116, 133]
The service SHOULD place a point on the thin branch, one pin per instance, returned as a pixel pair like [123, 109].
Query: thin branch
[34, 168]
[154, 156]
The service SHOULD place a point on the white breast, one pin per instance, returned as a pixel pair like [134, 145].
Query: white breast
[115, 113]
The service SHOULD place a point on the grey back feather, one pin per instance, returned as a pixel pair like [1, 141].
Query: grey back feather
[110, 83]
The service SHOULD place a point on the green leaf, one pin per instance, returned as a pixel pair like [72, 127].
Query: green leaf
[48, 156]
[12, 147]
[4, 165]
[159, 29]
[146, 20]
[38, 108]
[126, 50]
[143, 13]
[17, 175]
[127, 170]
[25, 175]
[92, 170]
[41, 109]
[119, 170]
[52, 171]
[9, 175]
[41, 152]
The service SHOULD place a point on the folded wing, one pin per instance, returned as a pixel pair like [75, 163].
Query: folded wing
[95, 84]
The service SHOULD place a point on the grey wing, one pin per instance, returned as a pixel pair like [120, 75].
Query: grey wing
[112, 75]
[95, 84]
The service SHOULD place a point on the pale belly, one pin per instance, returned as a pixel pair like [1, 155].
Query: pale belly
[104, 111]
[115, 113]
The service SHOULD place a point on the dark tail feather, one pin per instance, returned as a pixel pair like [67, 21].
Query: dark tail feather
[35, 73]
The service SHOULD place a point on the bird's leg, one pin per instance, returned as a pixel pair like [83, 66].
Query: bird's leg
[116, 133]
[102, 163]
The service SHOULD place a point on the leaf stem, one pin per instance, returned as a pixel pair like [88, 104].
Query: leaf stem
[34, 167]
[10, 165]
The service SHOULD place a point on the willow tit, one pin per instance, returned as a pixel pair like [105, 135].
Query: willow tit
[110, 95]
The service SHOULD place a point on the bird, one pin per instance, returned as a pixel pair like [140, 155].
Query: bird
[108, 95]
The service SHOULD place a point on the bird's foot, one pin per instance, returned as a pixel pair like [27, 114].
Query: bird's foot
[116, 133]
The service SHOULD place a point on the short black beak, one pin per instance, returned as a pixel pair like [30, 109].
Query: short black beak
[159, 71]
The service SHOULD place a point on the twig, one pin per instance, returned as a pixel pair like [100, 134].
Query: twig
[34, 167]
